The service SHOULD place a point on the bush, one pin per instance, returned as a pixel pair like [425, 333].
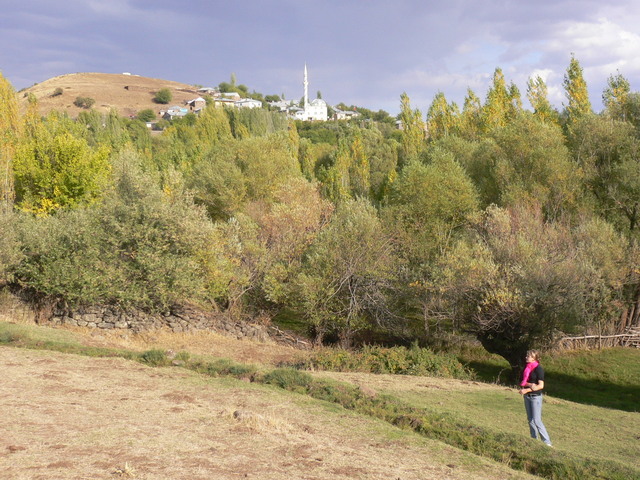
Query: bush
[289, 379]
[146, 115]
[163, 96]
[10, 248]
[225, 367]
[84, 102]
[57, 92]
[138, 248]
[396, 360]
[155, 358]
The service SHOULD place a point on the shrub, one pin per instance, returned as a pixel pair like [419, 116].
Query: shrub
[289, 379]
[163, 96]
[155, 358]
[57, 92]
[396, 360]
[84, 102]
[138, 248]
[146, 115]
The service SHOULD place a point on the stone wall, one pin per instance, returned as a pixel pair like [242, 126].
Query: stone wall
[179, 319]
[182, 319]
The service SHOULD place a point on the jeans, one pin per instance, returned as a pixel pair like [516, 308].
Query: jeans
[533, 405]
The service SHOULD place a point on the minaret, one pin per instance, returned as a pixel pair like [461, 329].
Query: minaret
[306, 87]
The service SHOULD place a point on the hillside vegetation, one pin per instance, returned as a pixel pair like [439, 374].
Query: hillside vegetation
[510, 226]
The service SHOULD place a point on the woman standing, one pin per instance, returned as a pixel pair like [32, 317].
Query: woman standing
[532, 386]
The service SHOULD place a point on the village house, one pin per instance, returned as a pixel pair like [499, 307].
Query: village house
[248, 103]
[344, 114]
[176, 111]
[196, 104]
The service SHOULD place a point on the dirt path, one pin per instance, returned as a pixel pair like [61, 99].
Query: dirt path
[71, 417]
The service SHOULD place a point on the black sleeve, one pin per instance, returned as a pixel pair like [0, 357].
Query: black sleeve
[539, 373]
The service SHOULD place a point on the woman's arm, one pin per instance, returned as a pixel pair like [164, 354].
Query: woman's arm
[532, 387]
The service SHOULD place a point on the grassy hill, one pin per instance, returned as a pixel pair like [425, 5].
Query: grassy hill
[74, 416]
[108, 90]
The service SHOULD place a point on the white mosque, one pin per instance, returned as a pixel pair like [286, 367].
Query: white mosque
[314, 110]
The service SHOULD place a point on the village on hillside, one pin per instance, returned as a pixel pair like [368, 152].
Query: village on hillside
[315, 110]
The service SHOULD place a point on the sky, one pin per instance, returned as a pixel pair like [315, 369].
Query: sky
[360, 52]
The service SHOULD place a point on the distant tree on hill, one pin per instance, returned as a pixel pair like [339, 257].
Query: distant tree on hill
[163, 96]
[84, 102]
[57, 92]
[146, 115]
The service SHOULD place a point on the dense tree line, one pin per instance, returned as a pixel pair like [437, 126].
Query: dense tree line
[514, 225]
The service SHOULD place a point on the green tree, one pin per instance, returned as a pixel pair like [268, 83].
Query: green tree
[84, 102]
[413, 131]
[336, 183]
[359, 170]
[471, 117]
[442, 117]
[576, 91]
[218, 183]
[537, 95]
[533, 166]
[10, 131]
[163, 96]
[608, 151]
[346, 274]
[523, 280]
[498, 106]
[137, 248]
[54, 169]
[616, 97]
[287, 227]
[146, 115]
[429, 202]
[430, 206]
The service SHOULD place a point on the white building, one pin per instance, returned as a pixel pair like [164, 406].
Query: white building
[315, 110]
[248, 103]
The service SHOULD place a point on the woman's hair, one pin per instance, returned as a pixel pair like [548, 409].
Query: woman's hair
[535, 354]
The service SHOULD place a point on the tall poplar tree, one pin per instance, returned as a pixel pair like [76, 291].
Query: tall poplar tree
[413, 130]
[537, 95]
[9, 134]
[616, 97]
[515, 101]
[442, 117]
[359, 170]
[498, 104]
[471, 117]
[576, 91]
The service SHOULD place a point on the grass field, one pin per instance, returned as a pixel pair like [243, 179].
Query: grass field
[608, 378]
[583, 430]
[485, 418]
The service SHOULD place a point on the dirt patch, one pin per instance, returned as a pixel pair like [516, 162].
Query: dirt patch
[69, 417]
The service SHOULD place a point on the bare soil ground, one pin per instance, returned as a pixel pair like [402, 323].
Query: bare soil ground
[109, 92]
[71, 417]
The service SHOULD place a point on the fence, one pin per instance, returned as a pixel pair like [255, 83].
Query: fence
[630, 338]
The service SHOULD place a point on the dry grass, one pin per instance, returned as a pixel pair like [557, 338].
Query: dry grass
[70, 417]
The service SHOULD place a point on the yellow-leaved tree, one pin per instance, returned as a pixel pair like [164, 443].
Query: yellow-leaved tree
[9, 135]
[576, 91]
[55, 169]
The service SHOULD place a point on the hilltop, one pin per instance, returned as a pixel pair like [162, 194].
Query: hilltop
[108, 90]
